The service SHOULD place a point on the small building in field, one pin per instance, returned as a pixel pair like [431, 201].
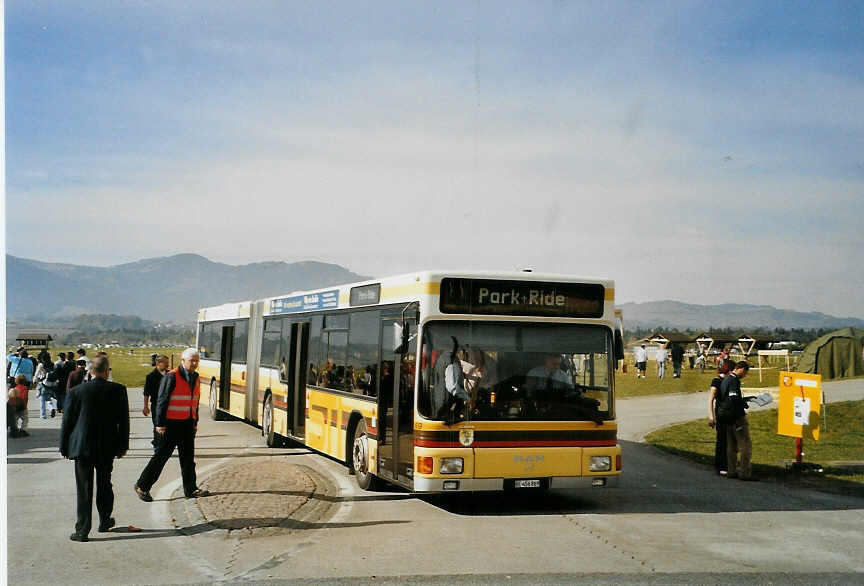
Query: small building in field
[34, 340]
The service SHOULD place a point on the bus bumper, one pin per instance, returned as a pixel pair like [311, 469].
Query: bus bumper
[422, 484]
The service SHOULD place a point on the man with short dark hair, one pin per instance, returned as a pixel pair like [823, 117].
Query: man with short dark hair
[737, 433]
[95, 430]
[151, 391]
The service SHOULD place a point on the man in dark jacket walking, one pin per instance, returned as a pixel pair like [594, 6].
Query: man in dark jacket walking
[151, 391]
[95, 430]
[176, 426]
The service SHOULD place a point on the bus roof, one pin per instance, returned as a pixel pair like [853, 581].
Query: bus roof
[393, 289]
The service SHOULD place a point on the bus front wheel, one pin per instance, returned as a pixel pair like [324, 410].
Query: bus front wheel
[215, 415]
[267, 423]
[360, 458]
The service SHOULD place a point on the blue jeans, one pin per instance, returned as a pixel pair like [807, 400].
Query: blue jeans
[661, 369]
[45, 404]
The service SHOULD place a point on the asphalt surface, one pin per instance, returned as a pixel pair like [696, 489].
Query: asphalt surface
[294, 517]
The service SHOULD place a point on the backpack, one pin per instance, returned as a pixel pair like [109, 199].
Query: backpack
[726, 409]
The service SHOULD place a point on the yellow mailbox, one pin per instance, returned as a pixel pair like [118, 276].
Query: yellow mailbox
[800, 402]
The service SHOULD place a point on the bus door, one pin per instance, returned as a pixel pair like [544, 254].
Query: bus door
[396, 406]
[225, 367]
[295, 378]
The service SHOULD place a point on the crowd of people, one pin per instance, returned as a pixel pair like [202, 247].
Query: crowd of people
[50, 379]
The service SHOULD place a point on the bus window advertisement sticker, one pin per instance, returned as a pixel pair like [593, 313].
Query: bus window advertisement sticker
[308, 302]
[494, 297]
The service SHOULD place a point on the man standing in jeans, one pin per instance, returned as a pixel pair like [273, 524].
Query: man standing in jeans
[176, 425]
[738, 433]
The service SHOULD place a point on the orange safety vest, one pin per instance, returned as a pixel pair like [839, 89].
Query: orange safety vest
[183, 403]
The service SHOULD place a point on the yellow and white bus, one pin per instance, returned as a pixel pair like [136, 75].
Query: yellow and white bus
[434, 381]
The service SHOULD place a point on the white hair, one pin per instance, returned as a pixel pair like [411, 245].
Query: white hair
[189, 353]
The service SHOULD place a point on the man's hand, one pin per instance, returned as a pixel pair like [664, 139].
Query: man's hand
[146, 410]
[121, 454]
[711, 422]
[160, 430]
[195, 430]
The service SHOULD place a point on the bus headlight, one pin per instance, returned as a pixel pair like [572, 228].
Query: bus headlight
[600, 464]
[452, 465]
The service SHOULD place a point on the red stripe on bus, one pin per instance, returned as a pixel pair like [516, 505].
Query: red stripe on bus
[421, 443]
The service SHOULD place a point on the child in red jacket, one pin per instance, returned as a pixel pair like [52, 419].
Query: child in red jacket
[16, 407]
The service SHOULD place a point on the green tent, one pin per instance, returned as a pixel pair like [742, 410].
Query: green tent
[834, 355]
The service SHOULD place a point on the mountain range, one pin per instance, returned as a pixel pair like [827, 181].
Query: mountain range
[171, 289]
[674, 315]
[163, 289]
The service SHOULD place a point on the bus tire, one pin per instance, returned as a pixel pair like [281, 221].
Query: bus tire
[215, 414]
[360, 458]
[267, 423]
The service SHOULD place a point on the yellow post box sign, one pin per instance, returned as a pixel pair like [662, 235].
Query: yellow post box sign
[800, 403]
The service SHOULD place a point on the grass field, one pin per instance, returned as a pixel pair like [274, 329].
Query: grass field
[129, 366]
[837, 449]
[691, 381]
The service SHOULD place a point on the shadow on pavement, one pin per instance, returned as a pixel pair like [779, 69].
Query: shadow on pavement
[39, 438]
[653, 482]
[124, 533]
[322, 497]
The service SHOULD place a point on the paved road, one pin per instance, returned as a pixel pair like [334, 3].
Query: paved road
[640, 416]
[669, 521]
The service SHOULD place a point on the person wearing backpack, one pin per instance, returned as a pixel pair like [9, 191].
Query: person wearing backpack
[733, 409]
[713, 419]
[46, 391]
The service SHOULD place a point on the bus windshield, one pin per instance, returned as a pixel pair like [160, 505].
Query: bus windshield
[505, 371]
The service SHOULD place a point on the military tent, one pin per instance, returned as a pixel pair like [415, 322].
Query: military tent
[835, 355]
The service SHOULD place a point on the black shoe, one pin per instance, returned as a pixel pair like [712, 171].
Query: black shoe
[78, 537]
[106, 526]
[53, 413]
[24, 433]
[197, 493]
[144, 495]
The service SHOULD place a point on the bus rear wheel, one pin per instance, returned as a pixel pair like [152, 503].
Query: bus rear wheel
[267, 423]
[360, 458]
[215, 414]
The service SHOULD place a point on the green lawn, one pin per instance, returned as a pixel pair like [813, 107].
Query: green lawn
[691, 381]
[842, 442]
[129, 366]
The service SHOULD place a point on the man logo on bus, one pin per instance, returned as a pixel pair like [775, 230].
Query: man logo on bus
[466, 437]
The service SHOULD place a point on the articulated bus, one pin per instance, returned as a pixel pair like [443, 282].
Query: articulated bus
[434, 381]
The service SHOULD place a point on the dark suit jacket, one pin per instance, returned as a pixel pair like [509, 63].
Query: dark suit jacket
[151, 389]
[95, 422]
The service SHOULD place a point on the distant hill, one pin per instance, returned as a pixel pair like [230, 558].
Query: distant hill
[684, 316]
[162, 289]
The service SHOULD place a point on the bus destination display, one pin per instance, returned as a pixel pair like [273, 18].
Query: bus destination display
[499, 297]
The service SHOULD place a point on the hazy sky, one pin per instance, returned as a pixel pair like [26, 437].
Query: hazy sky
[705, 152]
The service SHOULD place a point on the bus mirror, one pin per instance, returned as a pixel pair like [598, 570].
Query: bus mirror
[400, 338]
[619, 347]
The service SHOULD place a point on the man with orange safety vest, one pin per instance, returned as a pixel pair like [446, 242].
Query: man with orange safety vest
[176, 419]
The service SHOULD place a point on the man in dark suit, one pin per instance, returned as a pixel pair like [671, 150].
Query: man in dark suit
[95, 431]
[151, 392]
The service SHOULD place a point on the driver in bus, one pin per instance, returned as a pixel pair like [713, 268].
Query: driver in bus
[549, 378]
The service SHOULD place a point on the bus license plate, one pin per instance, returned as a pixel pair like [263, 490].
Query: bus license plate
[533, 483]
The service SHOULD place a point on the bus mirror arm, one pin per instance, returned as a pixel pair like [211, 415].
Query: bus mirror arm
[401, 331]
